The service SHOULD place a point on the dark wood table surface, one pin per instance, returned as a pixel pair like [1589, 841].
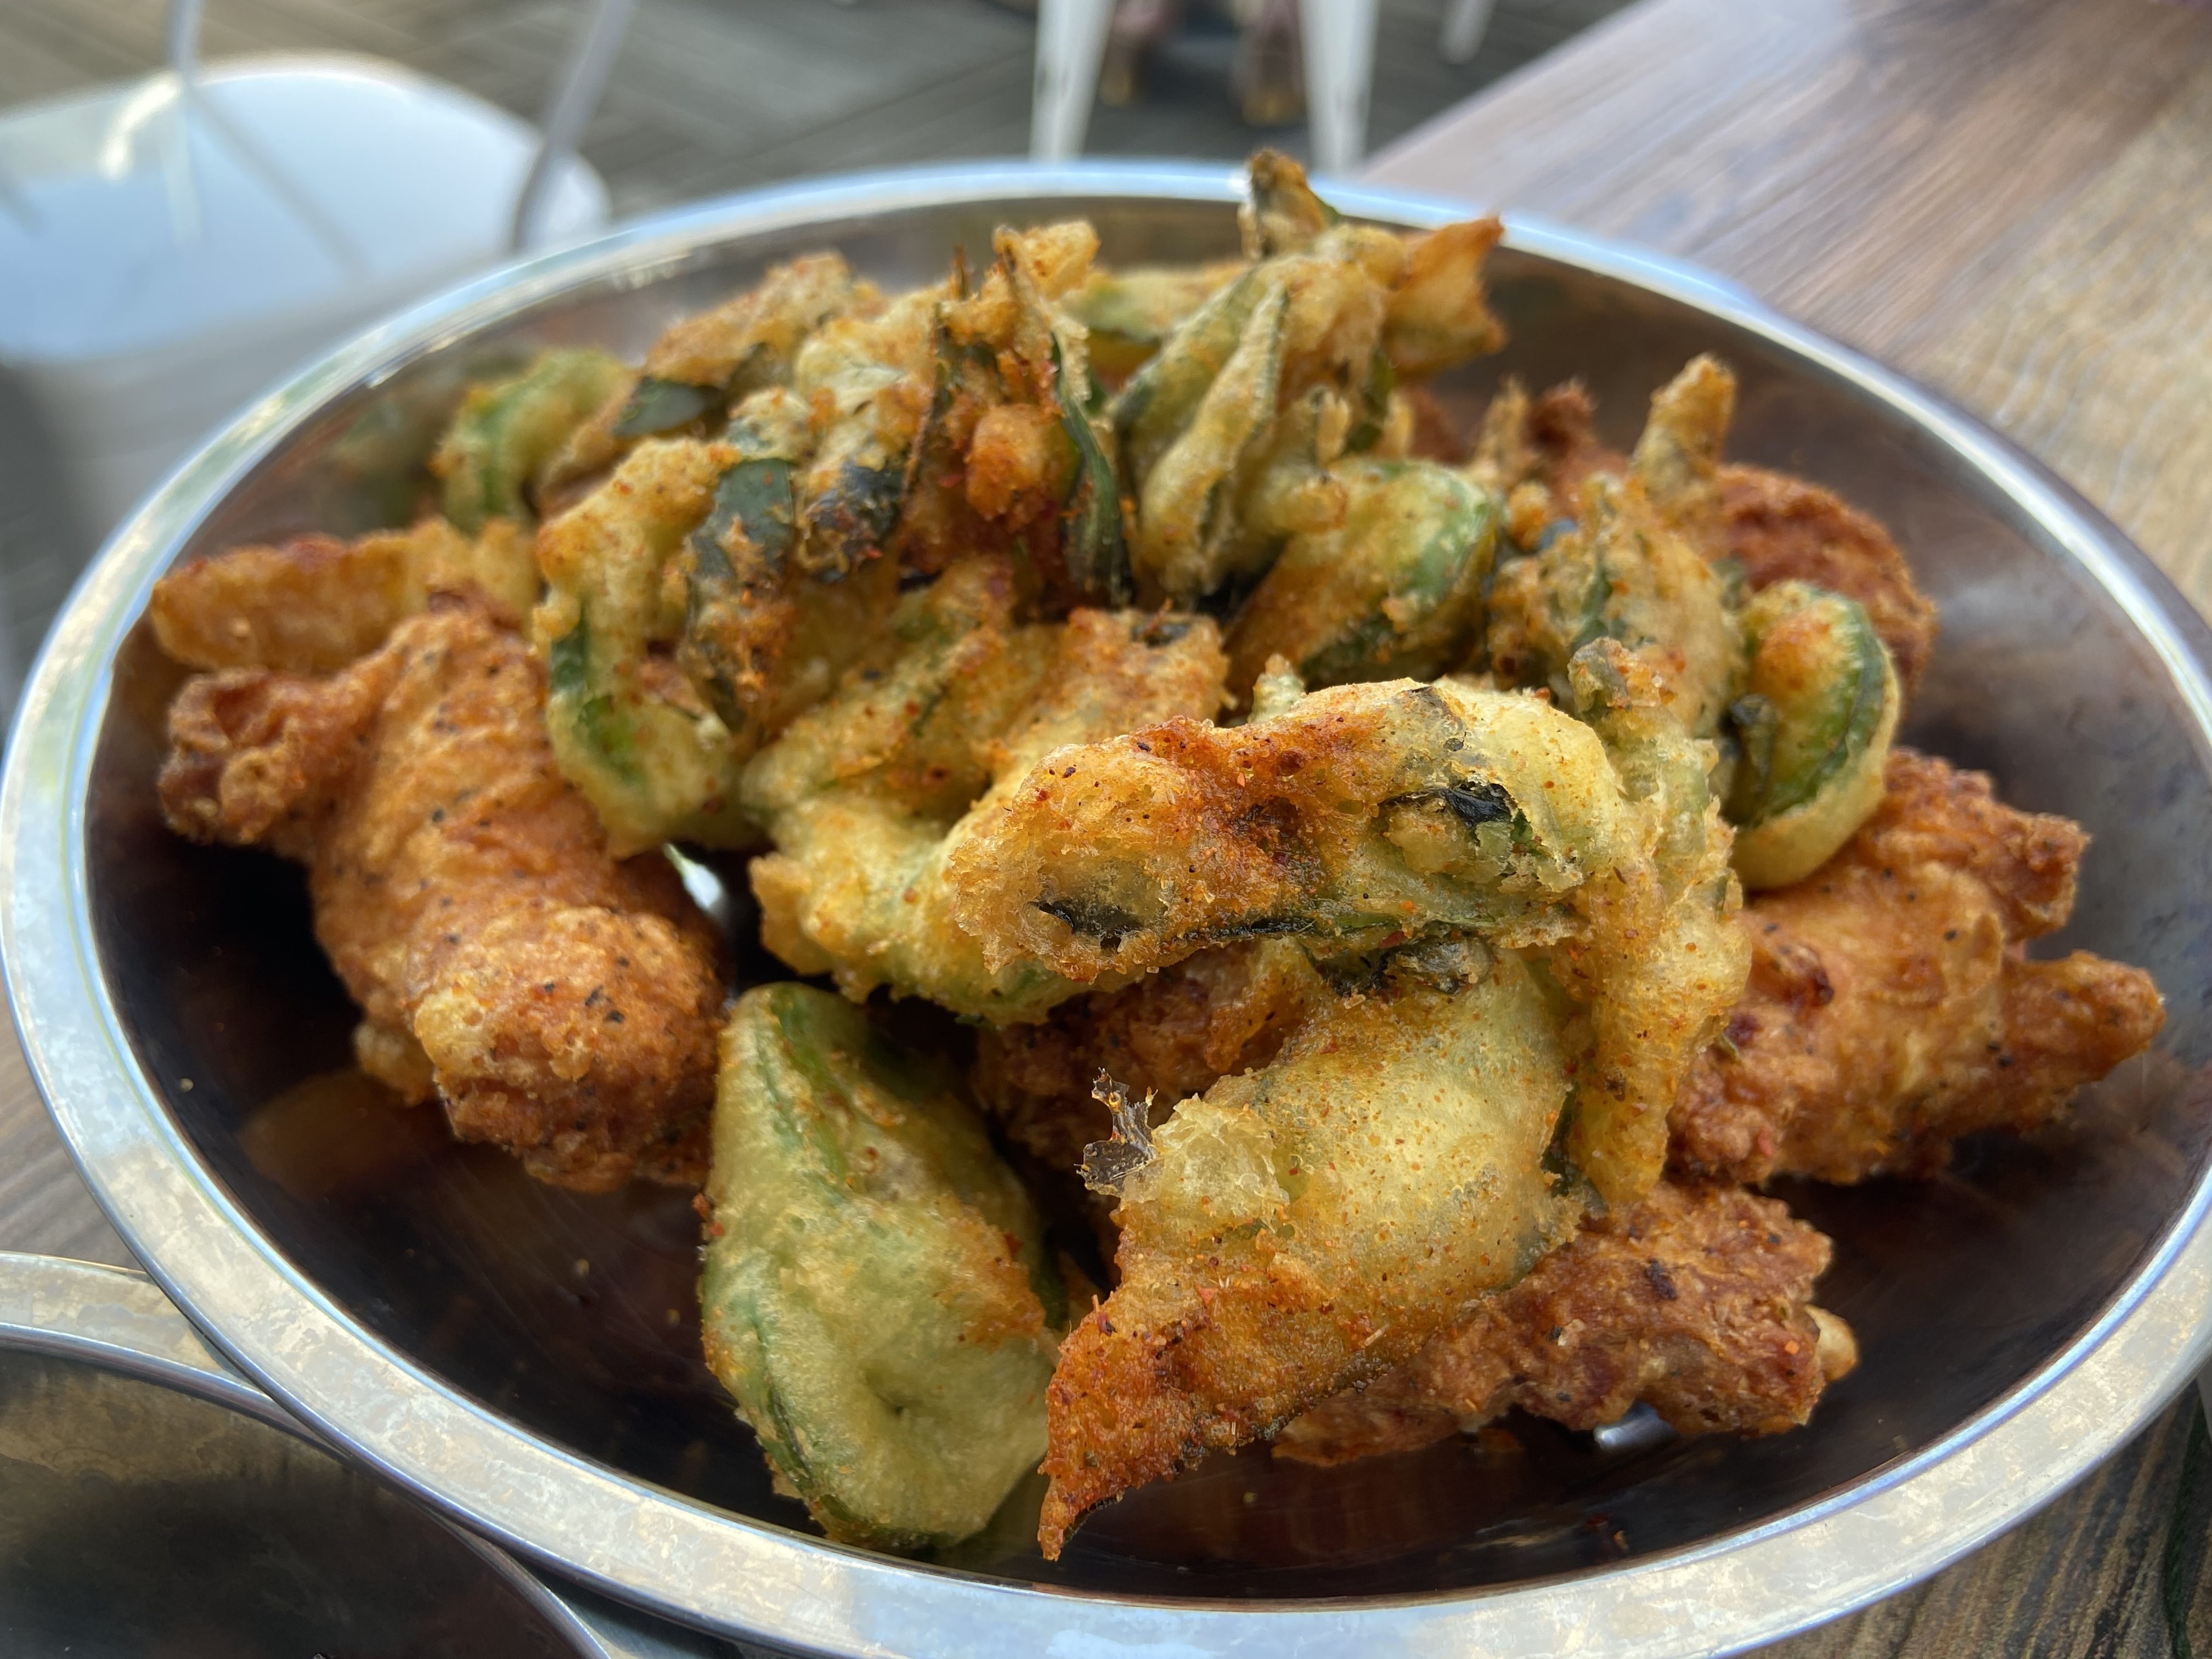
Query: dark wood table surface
[2009, 199]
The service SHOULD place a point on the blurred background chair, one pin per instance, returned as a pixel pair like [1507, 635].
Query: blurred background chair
[1338, 50]
[170, 246]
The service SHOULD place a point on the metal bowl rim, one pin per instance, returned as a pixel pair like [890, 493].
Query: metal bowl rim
[1891, 1527]
[117, 1320]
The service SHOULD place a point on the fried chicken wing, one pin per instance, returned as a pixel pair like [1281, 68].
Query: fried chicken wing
[314, 604]
[1891, 1008]
[1312, 1223]
[560, 1002]
[1696, 1301]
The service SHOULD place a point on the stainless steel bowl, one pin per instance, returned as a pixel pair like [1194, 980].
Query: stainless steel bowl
[160, 1503]
[526, 1358]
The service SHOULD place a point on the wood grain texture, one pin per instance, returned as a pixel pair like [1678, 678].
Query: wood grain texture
[2009, 199]
[2012, 201]
[2082, 1578]
[2096, 351]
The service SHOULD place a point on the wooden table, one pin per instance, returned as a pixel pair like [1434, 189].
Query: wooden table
[2010, 200]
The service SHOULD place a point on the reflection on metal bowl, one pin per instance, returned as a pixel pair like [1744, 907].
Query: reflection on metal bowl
[528, 1359]
[152, 1508]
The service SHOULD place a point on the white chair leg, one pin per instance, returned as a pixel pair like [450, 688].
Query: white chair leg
[1071, 44]
[1465, 25]
[569, 111]
[1339, 53]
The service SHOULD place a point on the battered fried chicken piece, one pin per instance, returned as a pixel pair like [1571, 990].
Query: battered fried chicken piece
[1696, 1301]
[1171, 1035]
[1891, 1009]
[314, 604]
[1310, 1225]
[1781, 528]
[561, 1003]
[1356, 818]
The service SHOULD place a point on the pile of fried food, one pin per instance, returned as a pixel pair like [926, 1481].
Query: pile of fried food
[1332, 832]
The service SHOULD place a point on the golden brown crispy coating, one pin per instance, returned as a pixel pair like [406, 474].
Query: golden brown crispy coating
[1312, 1223]
[1542, 450]
[1171, 1035]
[314, 604]
[1353, 818]
[1546, 447]
[1934, 813]
[562, 1003]
[1678, 457]
[1439, 315]
[872, 794]
[1636, 562]
[1891, 1009]
[1696, 1301]
[1781, 528]
[1006, 459]
[760, 328]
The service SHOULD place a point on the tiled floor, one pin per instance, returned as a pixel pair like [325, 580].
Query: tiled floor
[716, 95]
